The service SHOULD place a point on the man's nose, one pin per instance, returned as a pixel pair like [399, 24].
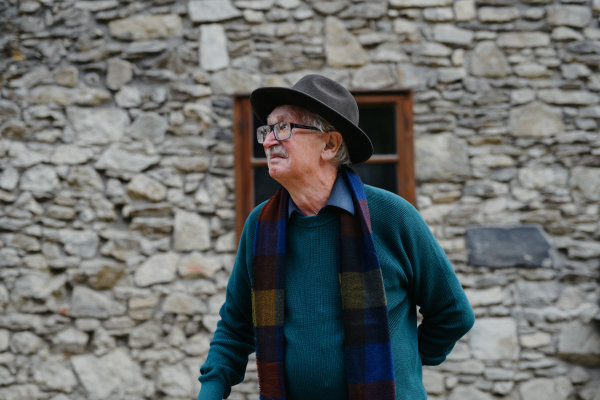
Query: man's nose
[270, 140]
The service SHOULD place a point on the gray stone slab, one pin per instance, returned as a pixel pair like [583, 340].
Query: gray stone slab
[504, 247]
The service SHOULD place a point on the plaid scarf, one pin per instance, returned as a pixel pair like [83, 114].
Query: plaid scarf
[368, 352]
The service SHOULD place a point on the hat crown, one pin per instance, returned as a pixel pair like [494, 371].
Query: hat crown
[330, 93]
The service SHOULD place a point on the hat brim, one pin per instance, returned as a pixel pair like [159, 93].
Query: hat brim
[265, 100]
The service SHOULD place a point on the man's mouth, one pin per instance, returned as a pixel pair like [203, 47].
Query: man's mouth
[276, 152]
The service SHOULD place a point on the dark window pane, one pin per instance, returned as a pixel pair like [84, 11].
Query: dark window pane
[384, 176]
[264, 186]
[257, 149]
[379, 123]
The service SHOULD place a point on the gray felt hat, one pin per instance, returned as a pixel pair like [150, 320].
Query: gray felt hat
[324, 97]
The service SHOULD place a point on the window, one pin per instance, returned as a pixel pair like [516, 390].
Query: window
[386, 116]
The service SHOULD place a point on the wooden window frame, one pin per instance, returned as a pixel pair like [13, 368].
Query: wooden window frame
[244, 142]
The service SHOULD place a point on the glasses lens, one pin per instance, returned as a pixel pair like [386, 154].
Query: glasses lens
[261, 133]
[283, 130]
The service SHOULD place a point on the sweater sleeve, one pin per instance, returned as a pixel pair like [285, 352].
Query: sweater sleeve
[431, 281]
[434, 287]
[233, 340]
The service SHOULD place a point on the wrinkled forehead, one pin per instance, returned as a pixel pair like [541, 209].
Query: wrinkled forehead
[286, 113]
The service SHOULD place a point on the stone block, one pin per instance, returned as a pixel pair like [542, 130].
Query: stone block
[26, 343]
[341, 47]
[587, 181]
[565, 97]
[39, 285]
[39, 179]
[438, 14]
[254, 17]
[487, 60]
[370, 10]
[447, 33]
[494, 339]
[84, 179]
[578, 375]
[468, 393]
[181, 303]
[484, 297]
[62, 96]
[149, 126]
[197, 345]
[563, 33]
[9, 178]
[143, 187]
[580, 343]
[214, 55]
[8, 110]
[540, 178]
[523, 39]
[71, 154]
[535, 340]
[115, 158]
[66, 76]
[536, 294]
[569, 15]
[118, 73]
[192, 232]
[464, 10]
[212, 10]
[196, 265]
[98, 125]
[374, 76]
[144, 49]
[71, 340]
[498, 14]
[97, 375]
[174, 381]
[440, 157]
[55, 373]
[102, 273]
[128, 97]
[574, 71]
[18, 392]
[419, 3]
[536, 120]
[82, 243]
[230, 81]
[531, 70]
[87, 303]
[433, 382]
[4, 339]
[263, 5]
[145, 27]
[546, 388]
[160, 268]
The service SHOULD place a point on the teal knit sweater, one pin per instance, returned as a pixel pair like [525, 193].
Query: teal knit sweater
[416, 272]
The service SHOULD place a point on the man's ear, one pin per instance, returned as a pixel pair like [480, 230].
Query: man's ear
[332, 145]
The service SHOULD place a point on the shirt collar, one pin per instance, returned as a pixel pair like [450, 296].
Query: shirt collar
[340, 197]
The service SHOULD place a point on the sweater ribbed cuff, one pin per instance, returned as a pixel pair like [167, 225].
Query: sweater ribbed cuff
[432, 360]
[211, 390]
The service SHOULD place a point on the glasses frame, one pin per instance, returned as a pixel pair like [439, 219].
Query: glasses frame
[275, 131]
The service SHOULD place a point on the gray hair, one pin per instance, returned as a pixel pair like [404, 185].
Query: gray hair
[312, 119]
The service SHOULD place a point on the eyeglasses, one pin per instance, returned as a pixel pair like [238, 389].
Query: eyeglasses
[282, 130]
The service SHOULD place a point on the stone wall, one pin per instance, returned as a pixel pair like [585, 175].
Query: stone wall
[116, 179]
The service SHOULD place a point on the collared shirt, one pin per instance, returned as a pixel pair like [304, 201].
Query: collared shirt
[340, 197]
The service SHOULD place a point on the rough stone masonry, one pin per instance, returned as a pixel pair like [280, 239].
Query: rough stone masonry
[116, 180]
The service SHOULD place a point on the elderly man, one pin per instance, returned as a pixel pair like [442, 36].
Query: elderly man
[329, 272]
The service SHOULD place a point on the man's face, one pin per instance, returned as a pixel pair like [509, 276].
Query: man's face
[297, 157]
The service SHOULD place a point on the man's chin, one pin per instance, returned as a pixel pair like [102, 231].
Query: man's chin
[276, 172]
